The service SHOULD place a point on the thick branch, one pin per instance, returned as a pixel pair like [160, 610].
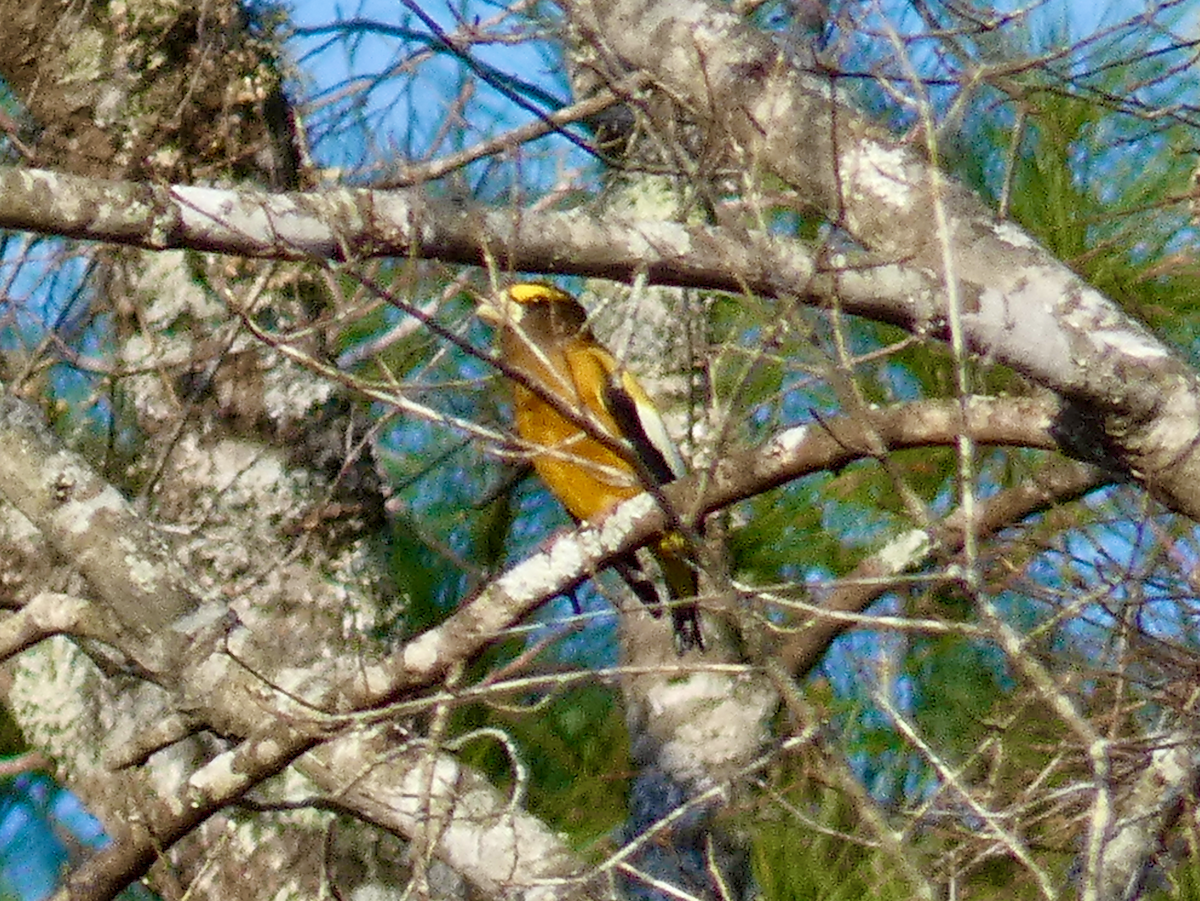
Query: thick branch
[1056, 483]
[1017, 302]
[1021, 306]
[93, 526]
[790, 455]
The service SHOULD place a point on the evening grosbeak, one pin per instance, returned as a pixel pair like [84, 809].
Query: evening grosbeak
[544, 335]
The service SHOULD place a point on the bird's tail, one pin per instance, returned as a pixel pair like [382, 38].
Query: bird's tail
[680, 576]
[675, 559]
[630, 570]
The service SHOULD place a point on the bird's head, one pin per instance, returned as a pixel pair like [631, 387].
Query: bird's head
[538, 310]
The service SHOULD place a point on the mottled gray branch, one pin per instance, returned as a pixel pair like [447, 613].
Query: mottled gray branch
[96, 529]
[1018, 304]
[793, 453]
[1163, 791]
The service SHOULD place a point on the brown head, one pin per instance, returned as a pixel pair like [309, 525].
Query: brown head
[547, 316]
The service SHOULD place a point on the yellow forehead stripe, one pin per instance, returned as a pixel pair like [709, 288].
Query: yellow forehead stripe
[532, 292]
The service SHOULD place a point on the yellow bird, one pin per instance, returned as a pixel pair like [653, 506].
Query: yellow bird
[544, 335]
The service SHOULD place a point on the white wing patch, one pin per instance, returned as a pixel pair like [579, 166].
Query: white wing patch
[653, 425]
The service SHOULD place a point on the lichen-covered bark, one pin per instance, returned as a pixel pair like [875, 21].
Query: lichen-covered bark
[1016, 301]
[156, 90]
[234, 455]
[1002, 293]
[243, 607]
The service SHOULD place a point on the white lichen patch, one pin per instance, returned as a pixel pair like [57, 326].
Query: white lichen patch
[291, 393]
[245, 474]
[48, 698]
[230, 498]
[355, 584]
[905, 550]
[145, 574]
[267, 750]
[711, 721]
[208, 210]
[788, 442]
[617, 525]
[16, 529]
[150, 397]
[421, 654]
[544, 572]
[1094, 318]
[535, 576]
[655, 198]
[78, 518]
[138, 352]
[1014, 236]
[169, 290]
[424, 790]
[86, 57]
[873, 170]
[215, 778]
[374, 678]
[1019, 321]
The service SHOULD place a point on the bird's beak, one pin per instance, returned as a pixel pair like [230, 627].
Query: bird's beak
[489, 313]
[498, 311]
